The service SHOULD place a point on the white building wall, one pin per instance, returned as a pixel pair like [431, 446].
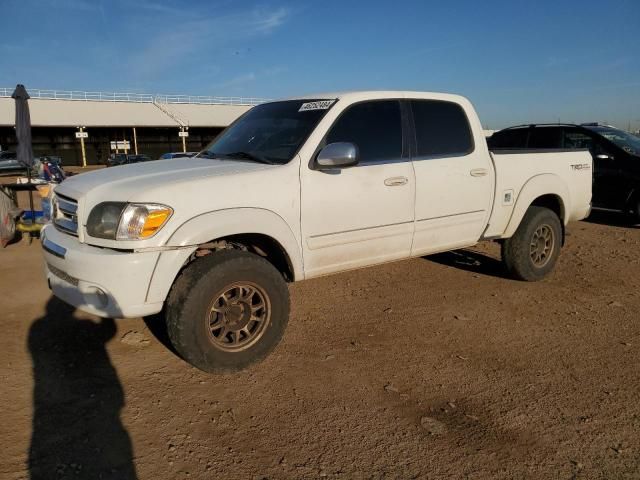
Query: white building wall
[95, 113]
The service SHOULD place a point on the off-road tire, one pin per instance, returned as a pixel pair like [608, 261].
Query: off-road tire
[517, 250]
[190, 300]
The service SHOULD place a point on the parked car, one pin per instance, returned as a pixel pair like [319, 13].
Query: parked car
[616, 157]
[138, 158]
[116, 159]
[296, 189]
[171, 155]
[9, 162]
[123, 159]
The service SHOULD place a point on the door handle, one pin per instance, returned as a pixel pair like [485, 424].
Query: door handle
[396, 181]
[478, 172]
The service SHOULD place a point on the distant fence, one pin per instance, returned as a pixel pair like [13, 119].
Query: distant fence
[80, 95]
[207, 100]
[134, 97]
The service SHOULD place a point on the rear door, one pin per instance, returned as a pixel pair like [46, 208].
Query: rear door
[454, 178]
[576, 139]
[361, 215]
[610, 185]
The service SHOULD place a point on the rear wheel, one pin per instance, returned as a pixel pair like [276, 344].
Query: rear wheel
[227, 310]
[532, 252]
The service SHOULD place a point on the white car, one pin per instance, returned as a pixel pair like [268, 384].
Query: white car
[296, 189]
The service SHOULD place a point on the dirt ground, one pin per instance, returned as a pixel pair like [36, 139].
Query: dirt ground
[428, 368]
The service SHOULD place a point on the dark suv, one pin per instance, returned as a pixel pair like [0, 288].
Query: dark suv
[616, 157]
[9, 162]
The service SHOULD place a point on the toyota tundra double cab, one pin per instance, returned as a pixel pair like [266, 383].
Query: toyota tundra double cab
[292, 190]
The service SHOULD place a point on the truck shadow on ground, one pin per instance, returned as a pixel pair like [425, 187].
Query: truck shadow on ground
[470, 261]
[157, 325]
[77, 432]
[612, 219]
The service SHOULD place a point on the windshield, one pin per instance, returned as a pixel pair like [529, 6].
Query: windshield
[626, 141]
[269, 133]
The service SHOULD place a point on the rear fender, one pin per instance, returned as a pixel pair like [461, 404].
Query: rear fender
[536, 187]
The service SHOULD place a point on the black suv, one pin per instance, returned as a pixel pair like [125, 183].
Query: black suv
[616, 157]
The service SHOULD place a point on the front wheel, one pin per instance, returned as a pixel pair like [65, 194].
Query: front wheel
[227, 310]
[533, 250]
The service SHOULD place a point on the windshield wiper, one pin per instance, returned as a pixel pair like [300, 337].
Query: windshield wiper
[249, 156]
[206, 154]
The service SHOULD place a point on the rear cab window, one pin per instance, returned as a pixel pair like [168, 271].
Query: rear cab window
[441, 129]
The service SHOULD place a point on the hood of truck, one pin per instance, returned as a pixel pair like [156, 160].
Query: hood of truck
[188, 186]
[126, 182]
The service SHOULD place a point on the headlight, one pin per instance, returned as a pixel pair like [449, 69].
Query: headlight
[104, 219]
[122, 221]
[139, 221]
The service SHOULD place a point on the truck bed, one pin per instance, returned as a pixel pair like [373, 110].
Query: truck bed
[523, 172]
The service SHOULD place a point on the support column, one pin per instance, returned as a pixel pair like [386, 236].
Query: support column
[84, 153]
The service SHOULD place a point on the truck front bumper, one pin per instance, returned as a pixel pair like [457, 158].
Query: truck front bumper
[101, 281]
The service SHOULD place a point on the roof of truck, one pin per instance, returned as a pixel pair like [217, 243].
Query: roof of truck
[374, 94]
[590, 126]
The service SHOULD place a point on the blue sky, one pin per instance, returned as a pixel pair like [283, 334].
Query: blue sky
[518, 61]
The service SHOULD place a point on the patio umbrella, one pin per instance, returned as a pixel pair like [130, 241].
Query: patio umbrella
[23, 134]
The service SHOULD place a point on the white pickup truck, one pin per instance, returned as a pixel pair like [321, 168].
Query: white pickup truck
[292, 190]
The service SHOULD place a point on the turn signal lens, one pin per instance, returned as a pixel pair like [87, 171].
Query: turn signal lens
[154, 221]
[140, 221]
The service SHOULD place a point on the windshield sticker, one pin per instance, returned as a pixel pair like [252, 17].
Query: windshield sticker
[319, 105]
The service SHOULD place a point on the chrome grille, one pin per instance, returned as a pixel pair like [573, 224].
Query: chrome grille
[65, 214]
[63, 275]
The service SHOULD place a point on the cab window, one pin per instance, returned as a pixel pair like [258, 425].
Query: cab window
[442, 129]
[374, 127]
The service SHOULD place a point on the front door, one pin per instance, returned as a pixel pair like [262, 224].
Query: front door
[360, 215]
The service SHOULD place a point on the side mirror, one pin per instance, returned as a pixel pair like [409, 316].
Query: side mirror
[337, 155]
[604, 156]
